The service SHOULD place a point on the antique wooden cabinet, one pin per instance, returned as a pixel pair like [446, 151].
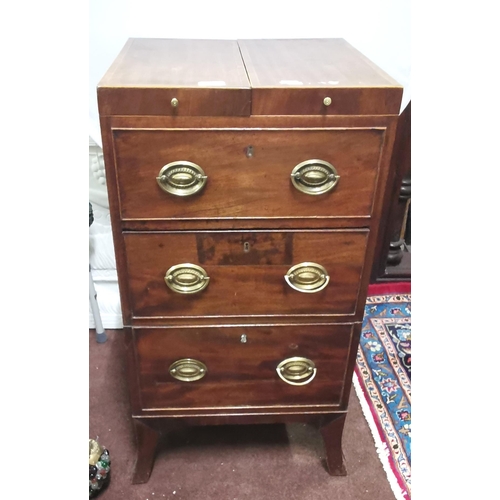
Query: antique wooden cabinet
[246, 181]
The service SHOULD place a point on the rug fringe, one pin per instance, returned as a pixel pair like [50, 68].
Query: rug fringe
[381, 447]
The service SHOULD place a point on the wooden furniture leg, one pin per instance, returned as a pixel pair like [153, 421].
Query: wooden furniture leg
[332, 437]
[147, 439]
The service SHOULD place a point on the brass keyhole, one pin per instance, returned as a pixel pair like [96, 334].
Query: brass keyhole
[249, 151]
[246, 247]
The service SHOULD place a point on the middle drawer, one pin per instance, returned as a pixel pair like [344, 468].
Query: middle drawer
[251, 273]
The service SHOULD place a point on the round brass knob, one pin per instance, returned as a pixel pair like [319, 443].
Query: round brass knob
[174, 102]
[186, 278]
[296, 371]
[307, 277]
[327, 101]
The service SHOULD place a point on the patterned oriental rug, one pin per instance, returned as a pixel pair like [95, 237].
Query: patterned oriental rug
[382, 379]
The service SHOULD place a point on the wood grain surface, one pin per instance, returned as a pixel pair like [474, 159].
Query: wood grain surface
[207, 77]
[241, 374]
[292, 77]
[247, 227]
[314, 62]
[239, 186]
[244, 283]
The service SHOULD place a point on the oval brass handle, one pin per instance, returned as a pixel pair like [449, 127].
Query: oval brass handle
[296, 371]
[186, 278]
[188, 370]
[314, 177]
[307, 277]
[182, 178]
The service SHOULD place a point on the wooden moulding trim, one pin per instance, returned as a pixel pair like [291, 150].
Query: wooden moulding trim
[242, 325]
[245, 411]
[241, 321]
[198, 219]
[267, 230]
[278, 224]
[159, 121]
[249, 316]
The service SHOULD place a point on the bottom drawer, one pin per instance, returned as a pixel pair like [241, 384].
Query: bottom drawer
[250, 366]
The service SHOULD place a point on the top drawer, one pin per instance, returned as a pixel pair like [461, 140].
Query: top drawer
[205, 174]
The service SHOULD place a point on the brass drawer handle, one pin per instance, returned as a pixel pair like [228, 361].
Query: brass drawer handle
[186, 278]
[307, 277]
[182, 178]
[188, 370]
[314, 177]
[296, 371]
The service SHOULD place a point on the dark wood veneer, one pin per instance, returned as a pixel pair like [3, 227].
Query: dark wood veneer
[243, 187]
[241, 374]
[231, 95]
[244, 283]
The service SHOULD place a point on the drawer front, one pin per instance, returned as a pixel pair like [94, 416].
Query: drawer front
[175, 102]
[242, 366]
[214, 174]
[265, 273]
[340, 101]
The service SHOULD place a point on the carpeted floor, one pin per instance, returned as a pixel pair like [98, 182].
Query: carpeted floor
[227, 462]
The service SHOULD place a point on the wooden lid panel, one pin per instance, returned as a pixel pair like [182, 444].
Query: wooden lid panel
[293, 77]
[179, 77]
[207, 77]
[158, 62]
[310, 63]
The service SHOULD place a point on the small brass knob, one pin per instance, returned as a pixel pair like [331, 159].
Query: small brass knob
[327, 101]
[174, 102]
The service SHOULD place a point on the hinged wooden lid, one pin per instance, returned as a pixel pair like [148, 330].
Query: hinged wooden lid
[316, 76]
[153, 76]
